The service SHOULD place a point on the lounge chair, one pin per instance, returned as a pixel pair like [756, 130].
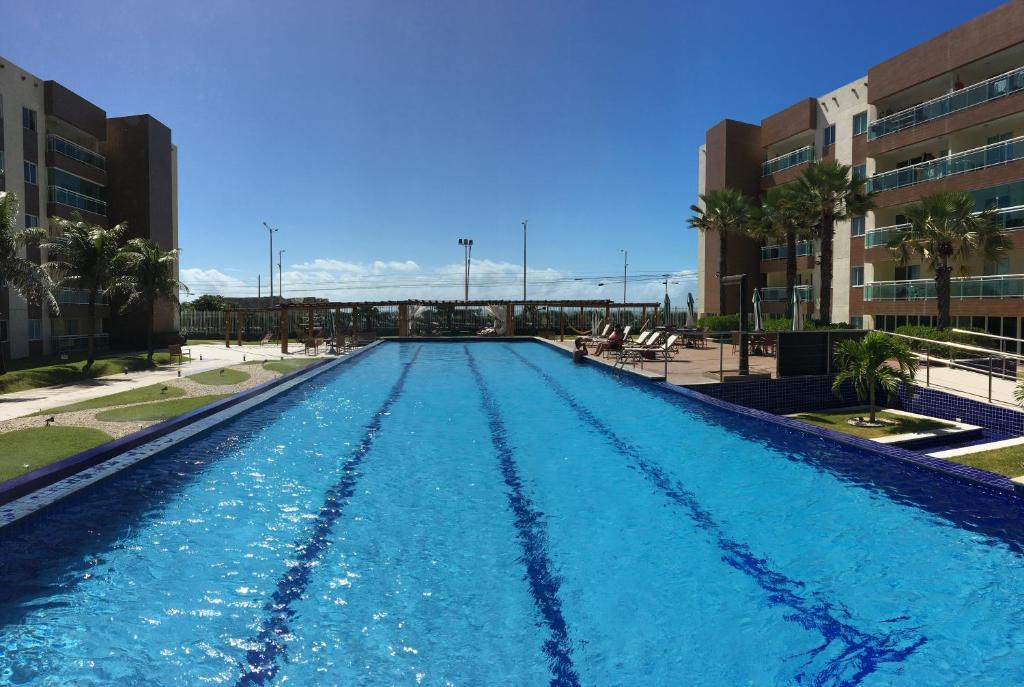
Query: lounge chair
[633, 352]
[605, 331]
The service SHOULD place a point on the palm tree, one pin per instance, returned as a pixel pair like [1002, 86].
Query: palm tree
[781, 217]
[145, 275]
[829, 192]
[866, 363]
[83, 256]
[945, 230]
[726, 211]
[20, 274]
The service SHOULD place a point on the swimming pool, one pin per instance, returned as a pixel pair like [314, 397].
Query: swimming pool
[490, 514]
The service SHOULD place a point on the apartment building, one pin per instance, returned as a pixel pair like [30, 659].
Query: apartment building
[62, 155]
[947, 114]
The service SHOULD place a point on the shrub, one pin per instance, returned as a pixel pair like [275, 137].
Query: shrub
[719, 323]
[935, 334]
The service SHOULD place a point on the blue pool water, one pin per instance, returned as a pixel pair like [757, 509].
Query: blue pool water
[490, 514]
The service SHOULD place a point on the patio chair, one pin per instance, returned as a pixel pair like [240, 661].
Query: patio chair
[176, 351]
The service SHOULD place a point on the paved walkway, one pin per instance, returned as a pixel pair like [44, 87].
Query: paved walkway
[20, 403]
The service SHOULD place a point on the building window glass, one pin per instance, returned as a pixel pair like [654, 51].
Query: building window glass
[31, 221]
[35, 330]
[830, 135]
[73, 182]
[2, 162]
[857, 276]
[908, 272]
[71, 327]
[857, 226]
[28, 118]
[857, 322]
[860, 123]
[861, 172]
[30, 173]
[3, 330]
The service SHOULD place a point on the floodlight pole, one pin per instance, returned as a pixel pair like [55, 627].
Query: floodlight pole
[625, 266]
[524, 258]
[280, 287]
[467, 245]
[270, 232]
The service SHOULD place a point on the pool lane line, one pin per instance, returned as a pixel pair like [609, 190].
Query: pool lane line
[262, 663]
[863, 652]
[530, 531]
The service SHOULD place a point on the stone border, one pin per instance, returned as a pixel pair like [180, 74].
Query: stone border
[35, 490]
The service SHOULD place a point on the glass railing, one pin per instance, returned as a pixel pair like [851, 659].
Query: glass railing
[77, 297]
[1008, 218]
[992, 286]
[979, 93]
[75, 151]
[62, 196]
[779, 252]
[967, 161]
[777, 164]
[777, 294]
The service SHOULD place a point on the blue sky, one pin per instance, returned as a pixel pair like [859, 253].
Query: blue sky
[375, 134]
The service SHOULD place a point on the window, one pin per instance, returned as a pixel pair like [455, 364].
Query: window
[857, 276]
[830, 135]
[908, 272]
[28, 118]
[857, 226]
[860, 123]
[71, 327]
[861, 172]
[30, 172]
[1, 162]
[35, 330]
[857, 322]
[3, 330]
[31, 221]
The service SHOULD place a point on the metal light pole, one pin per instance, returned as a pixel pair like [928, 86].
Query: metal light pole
[280, 288]
[524, 258]
[270, 232]
[467, 245]
[625, 266]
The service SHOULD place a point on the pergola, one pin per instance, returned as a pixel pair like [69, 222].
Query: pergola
[404, 308]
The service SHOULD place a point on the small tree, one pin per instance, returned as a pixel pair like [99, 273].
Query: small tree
[208, 302]
[726, 211]
[145, 274]
[869, 365]
[82, 256]
[782, 217]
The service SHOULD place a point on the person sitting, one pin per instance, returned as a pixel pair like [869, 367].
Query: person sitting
[580, 354]
[613, 343]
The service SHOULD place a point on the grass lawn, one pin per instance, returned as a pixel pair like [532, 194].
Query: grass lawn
[141, 395]
[836, 420]
[222, 377]
[161, 410]
[1004, 461]
[41, 446]
[290, 365]
[20, 378]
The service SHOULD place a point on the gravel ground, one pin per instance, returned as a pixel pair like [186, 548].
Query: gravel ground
[87, 418]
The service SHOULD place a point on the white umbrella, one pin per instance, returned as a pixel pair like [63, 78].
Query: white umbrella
[666, 311]
[798, 318]
[691, 313]
[757, 310]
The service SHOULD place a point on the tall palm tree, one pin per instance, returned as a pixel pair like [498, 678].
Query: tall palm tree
[868, 365]
[82, 256]
[145, 275]
[830, 193]
[781, 217]
[726, 211]
[24, 276]
[945, 231]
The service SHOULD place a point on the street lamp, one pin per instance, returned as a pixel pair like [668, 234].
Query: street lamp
[270, 232]
[625, 266]
[524, 258]
[467, 244]
[280, 288]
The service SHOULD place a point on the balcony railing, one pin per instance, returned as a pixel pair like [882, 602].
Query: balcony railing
[779, 252]
[1008, 218]
[78, 297]
[78, 342]
[981, 92]
[958, 163]
[777, 164]
[992, 286]
[63, 196]
[74, 151]
[777, 294]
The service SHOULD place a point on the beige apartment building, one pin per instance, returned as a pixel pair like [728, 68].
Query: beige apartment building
[62, 155]
[947, 114]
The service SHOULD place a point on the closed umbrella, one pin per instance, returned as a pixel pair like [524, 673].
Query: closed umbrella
[668, 309]
[794, 306]
[757, 310]
[691, 313]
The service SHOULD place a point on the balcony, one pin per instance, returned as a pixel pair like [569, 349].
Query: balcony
[1008, 218]
[779, 252]
[63, 196]
[992, 286]
[74, 151]
[777, 294]
[958, 163]
[77, 297]
[78, 342]
[792, 159]
[982, 92]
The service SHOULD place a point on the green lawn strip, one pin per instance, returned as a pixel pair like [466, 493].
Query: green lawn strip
[223, 377]
[160, 410]
[154, 392]
[290, 365]
[1007, 461]
[40, 446]
[21, 377]
[836, 420]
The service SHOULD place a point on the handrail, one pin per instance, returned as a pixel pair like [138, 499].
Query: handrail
[1000, 212]
[963, 347]
[798, 157]
[985, 334]
[949, 159]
